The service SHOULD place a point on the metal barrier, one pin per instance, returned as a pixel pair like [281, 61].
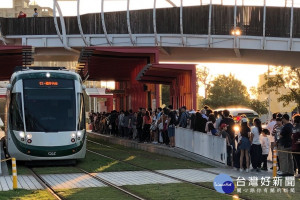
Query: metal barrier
[209, 146]
[275, 154]
[14, 171]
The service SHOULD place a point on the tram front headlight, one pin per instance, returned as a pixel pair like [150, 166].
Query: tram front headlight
[29, 136]
[73, 135]
[21, 134]
[79, 133]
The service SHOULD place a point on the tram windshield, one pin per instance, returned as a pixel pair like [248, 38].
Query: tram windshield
[49, 105]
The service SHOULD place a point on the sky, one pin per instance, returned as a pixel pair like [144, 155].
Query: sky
[248, 74]
[69, 6]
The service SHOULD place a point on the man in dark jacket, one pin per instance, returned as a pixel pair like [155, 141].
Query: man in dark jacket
[139, 123]
[230, 123]
[285, 144]
[183, 118]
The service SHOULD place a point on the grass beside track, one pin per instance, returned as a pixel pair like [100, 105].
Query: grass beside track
[21, 194]
[174, 191]
[105, 193]
[142, 158]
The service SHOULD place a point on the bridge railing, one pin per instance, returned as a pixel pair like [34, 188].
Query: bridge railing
[195, 21]
[209, 146]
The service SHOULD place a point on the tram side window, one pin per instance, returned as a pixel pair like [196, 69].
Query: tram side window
[81, 123]
[16, 117]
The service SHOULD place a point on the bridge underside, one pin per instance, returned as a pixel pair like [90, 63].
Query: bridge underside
[137, 73]
[192, 55]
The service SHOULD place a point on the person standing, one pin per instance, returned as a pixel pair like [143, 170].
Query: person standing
[183, 118]
[255, 150]
[296, 143]
[285, 144]
[270, 127]
[126, 121]
[146, 126]
[276, 132]
[171, 125]
[121, 123]
[112, 121]
[219, 119]
[211, 121]
[35, 14]
[265, 145]
[230, 123]
[21, 15]
[244, 144]
[139, 124]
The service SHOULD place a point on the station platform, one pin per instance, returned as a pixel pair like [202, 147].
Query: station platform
[157, 148]
[81, 180]
[26, 182]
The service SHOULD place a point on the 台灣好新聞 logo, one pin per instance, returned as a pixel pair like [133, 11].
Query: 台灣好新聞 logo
[223, 184]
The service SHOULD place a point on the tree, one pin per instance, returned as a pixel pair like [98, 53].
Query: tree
[227, 91]
[203, 77]
[259, 106]
[283, 77]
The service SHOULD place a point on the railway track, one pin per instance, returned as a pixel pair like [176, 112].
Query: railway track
[111, 184]
[153, 171]
[46, 185]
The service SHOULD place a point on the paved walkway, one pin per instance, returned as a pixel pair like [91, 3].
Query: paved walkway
[80, 180]
[27, 182]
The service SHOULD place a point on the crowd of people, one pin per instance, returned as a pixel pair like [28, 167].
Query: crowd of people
[247, 141]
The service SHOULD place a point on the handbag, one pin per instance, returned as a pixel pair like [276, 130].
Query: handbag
[160, 126]
[153, 127]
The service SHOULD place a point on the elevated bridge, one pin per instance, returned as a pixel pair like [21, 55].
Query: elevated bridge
[204, 33]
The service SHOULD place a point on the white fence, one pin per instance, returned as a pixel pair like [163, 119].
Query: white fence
[209, 146]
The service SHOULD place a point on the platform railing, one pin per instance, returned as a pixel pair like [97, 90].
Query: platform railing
[209, 146]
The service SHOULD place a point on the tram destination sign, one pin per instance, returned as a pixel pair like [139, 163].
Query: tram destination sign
[48, 83]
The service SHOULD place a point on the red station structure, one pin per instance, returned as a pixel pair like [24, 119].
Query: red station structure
[10, 57]
[137, 73]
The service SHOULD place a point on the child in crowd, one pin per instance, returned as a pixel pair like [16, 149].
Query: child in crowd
[265, 145]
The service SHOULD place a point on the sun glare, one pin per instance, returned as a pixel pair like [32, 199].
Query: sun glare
[6, 4]
[248, 74]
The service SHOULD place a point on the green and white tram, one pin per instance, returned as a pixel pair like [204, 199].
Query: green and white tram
[45, 117]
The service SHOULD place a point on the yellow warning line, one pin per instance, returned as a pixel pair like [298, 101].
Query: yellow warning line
[5, 160]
